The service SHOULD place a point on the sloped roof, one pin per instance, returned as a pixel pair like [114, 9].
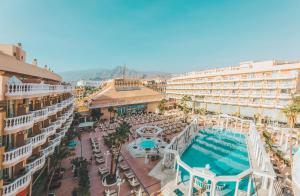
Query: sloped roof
[117, 97]
[10, 64]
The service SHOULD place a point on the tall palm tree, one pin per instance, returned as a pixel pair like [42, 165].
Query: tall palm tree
[115, 142]
[184, 104]
[291, 111]
[161, 105]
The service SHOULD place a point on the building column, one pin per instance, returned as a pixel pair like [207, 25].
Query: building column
[271, 187]
[249, 186]
[286, 143]
[236, 192]
[213, 188]
[191, 185]
[174, 168]
[177, 173]
[281, 138]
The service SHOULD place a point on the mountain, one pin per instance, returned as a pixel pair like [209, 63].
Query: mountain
[103, 74]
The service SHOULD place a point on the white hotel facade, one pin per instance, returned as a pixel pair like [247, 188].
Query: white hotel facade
[264, 87]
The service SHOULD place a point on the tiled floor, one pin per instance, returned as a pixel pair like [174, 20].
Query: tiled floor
[138, 166]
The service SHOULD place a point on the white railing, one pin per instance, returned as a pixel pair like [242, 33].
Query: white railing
[36, 164]
[40, 114]
[18, 122]
[52, 109]
[27, 89]
[17, 185]
[14, 123]
[38, 139]
[50, 130]
[48, 150]
[18, 154]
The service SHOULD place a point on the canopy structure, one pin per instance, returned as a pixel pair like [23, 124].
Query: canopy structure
[149, 131]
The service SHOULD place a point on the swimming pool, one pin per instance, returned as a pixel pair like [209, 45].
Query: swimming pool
[224, 151]
[147, 143]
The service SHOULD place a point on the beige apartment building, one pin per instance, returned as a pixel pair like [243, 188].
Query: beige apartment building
[264, 87]
[35, 112]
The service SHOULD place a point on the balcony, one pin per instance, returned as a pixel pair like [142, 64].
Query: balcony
[17, 185]
[38, 140]
[50, 130]
[33, 89]
[48, 150]
[18, 123]
[52, 109]
[14, 156]
[39, 115]
[36, 164]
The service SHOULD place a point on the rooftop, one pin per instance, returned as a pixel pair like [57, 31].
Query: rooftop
[122, 93]
[10, 63]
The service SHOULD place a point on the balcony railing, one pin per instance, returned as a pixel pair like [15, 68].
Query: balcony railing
[38, 140]
[36, 164]
[17, 185]
[52, 109]
[40, 114]
[50, 130]
[29, 89]
[27, 121]
[18, 122]
[16, 155]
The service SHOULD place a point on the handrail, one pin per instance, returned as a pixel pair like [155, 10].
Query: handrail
[25, 89]
[18, 153]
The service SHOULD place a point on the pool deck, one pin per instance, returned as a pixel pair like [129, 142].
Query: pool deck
[138, 166]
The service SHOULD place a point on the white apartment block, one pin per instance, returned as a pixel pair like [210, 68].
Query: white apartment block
[252, 87]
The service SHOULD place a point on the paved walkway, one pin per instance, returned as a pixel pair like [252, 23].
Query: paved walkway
[138, 166]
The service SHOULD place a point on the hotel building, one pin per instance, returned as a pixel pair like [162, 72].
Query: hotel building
[252, 87]
[125, 96]
[35, 112]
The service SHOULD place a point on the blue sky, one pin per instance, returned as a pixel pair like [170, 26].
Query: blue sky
[160, 35]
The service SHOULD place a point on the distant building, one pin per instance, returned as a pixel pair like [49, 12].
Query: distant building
[125, 96]
[156, 84]
[89, 83]
[263, 88]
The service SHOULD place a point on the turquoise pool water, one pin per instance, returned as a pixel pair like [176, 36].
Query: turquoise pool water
[147, 143]
[225, 152]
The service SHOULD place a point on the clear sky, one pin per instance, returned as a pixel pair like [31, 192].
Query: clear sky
[160, 35]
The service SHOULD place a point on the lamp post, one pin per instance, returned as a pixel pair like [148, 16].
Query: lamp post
[106, 154]
[119, 183]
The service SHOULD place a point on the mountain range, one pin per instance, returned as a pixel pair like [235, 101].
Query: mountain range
[117, 72]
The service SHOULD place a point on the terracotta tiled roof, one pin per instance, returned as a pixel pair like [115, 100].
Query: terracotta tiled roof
[10, 64]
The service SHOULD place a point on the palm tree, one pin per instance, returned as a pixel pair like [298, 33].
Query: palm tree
[257, 117]
[291, 111]
[161, 105]
[201, 111]
[184, 105]
[115, 142]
